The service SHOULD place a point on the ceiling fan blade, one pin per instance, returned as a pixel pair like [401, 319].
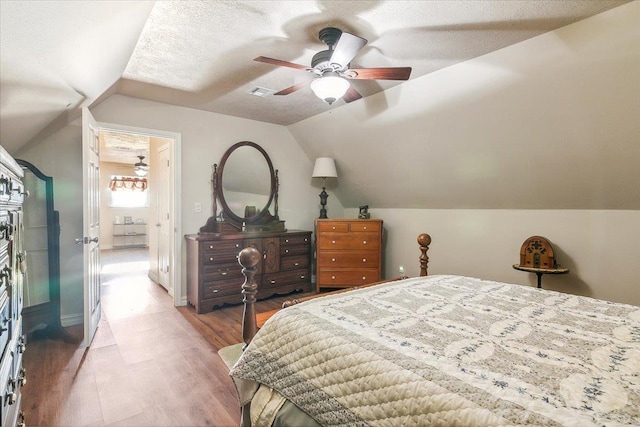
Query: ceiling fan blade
[385, 73]
[351, 95]
[280, 63]
[346, 49]
[293, 88]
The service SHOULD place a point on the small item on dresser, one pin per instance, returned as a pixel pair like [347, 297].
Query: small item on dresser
[364, 212]
[537, 256]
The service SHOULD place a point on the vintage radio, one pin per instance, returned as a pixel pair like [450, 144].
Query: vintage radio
[537, 252]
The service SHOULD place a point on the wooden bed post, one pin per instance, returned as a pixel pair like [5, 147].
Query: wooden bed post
[248, 259]
[424, 240]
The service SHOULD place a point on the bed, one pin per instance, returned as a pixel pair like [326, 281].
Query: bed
[442, 351]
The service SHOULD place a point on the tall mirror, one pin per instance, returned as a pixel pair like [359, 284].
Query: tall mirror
[245, 185]
[41, 313]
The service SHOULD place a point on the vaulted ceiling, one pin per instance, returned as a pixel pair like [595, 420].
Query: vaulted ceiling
[57, 56]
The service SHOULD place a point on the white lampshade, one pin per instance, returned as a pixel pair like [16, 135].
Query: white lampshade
[330, 87]
[325, 167]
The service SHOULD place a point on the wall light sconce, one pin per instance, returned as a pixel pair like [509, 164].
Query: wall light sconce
[324, 168]
[141, 168]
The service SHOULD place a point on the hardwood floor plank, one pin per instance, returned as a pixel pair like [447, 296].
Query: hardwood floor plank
[150, 364]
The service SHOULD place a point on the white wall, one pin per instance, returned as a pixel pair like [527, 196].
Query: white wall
[599, 247]
[60, 157]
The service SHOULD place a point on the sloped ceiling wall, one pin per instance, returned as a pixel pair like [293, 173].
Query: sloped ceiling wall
[549, 123]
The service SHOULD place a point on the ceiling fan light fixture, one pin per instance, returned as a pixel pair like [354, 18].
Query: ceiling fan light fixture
[141, 168]
[330, 87]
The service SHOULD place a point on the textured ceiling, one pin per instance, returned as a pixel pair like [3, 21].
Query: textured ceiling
[57, 56]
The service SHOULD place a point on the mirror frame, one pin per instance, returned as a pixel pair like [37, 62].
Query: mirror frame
[47, 313]
[264, 211]
[230, 221]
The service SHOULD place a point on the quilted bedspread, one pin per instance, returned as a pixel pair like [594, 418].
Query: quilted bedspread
[451, 351]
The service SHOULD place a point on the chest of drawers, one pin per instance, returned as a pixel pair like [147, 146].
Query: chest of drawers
[214, 276]
[12, 341]
[348, 252]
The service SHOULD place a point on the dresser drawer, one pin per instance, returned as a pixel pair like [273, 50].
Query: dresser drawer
[295, 240]
[295, 250]
[294, 262]
[220, 288]
[332, 227]
[222, 272]
[365, 226]
[349, 259]
[221, 251]
[348, 278]
[350, 241]
[285, 278]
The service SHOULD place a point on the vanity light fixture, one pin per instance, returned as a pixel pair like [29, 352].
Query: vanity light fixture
[325, 167]
[330, 87]
[141, 168]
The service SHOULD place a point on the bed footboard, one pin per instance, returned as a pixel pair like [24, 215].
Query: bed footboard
[249, 259]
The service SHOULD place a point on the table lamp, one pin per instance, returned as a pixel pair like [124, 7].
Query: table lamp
[324, 168]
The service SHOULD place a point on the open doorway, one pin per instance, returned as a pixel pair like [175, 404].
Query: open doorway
[137, 190]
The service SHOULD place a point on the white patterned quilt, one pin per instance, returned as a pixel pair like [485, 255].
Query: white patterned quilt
[451, 351]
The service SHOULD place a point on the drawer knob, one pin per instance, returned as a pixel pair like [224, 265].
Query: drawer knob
[333, 277]
[333, 242]
[22, 379]
[224, 273]
[286, 251]
[286, 240]
[302, 276]
[273, 282]
[11, 398]
[306, 240]
[365, 227]
[210, 246]
[334, 227]
[237, 245]
[211, 259]
[333, 260]
[364, 260]
[364, 278]
[364, 242]
[295, 264]
[215, 291]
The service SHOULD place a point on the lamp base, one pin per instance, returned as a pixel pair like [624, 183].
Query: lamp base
[323, 203]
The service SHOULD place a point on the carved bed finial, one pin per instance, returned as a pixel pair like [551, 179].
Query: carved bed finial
[424, 240]
[248, 259]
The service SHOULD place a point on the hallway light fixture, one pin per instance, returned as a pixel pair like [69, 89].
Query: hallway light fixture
[330, 87]
[141, 168]
[324, 168]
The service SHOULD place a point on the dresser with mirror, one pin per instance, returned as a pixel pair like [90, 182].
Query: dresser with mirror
[245, 213]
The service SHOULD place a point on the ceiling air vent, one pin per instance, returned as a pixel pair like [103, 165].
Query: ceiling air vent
[261, 91]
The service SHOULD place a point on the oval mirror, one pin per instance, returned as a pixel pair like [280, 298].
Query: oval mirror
[247, 182]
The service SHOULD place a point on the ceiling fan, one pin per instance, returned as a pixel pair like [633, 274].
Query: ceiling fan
[331, 68]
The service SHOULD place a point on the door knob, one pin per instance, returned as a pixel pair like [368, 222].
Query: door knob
[86, 240]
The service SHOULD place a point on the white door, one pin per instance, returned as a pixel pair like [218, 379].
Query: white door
[90, 224]
[164, 217]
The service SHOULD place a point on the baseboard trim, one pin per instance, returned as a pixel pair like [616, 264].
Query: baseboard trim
[72, 319]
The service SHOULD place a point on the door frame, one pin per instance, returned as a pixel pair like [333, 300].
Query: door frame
[175, 262]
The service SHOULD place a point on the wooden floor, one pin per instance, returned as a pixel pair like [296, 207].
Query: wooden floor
[150, 364]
